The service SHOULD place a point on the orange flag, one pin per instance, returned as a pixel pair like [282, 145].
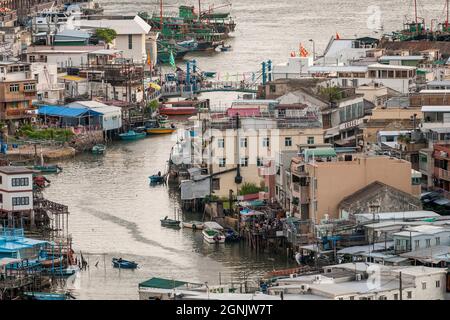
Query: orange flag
[303, 52]
[337, 36]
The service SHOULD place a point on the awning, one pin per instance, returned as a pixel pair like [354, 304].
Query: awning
[154, 86]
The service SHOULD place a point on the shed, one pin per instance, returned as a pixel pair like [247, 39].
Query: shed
[71, 116]
[111, 116]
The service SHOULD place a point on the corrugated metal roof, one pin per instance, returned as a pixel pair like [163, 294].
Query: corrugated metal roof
[61, 111]
[161, 283]
[435, 109]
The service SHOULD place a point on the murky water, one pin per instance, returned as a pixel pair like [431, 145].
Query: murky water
[114, 212]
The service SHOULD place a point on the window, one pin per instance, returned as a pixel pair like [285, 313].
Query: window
[20, 182]
[220, 143]
[288, 142]
[222, 162]
[14, 88]
[352, 297]
[216, 184]
[259, 162]
[310, 140]
[1, 197]
[130, 41]
[266, 142]
[428, 243]
[424, 285]
[395, 296]
[438, 240]
[416, 244]
[20, 201]
[438, 284]
[243, 143]
[409, 294]
[1, 180]
[244, 162]
[29, 87]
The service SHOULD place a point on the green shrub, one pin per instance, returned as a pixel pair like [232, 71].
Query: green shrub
[249, 188]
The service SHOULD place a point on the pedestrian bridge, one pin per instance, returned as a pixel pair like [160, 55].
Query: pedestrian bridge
[169, 91]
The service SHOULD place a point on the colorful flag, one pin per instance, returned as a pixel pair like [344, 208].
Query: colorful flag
[338, 37]
[303, 52]
[172, 59]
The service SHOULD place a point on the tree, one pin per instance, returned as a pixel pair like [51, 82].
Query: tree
[249, 188]
[106, 34]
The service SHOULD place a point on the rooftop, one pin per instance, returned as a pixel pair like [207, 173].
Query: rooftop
[122, 27]
[15, 170]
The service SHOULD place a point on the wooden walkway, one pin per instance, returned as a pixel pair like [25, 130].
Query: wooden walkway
[168, 91]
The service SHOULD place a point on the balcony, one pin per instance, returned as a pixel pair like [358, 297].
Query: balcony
[11, 114]
[300, 192]
[442, 174]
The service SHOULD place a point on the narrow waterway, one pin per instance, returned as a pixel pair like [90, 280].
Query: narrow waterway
[115, 213]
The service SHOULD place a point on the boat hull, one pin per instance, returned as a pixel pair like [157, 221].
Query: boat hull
[124, 264]
[161, 130]
[170, 223]
[178, 111]
[193, 225]
[132, 137]
[212, 239]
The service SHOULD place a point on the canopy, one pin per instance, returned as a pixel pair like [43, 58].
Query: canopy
[61, 111]
[154, 86]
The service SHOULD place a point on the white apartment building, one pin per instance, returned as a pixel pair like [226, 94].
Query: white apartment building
[48, 88]
[16, 189]
[131, 35]
[421, 237]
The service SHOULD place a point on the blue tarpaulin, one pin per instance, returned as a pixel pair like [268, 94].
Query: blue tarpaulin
[65, 112]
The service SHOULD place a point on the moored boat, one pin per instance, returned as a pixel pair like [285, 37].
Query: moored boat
[166, 222]
[161, 130]
[48, 168]
[132, 135]
[98, 149]
[156, 179]
[213, 236]
[46, 296]
[195, 225]
[124, 264]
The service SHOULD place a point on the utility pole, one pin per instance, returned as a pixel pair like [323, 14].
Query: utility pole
[401, 288]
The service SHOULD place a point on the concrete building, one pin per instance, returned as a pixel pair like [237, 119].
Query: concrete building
[47, 87]
[398, 78]
[16, 190]
[111, 116]
[421, 237]
[131, 35]
[17, 91]
[323, 180]
[367, 281]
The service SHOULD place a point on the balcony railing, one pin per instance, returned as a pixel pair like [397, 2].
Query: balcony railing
[442, 173]
[17, 113]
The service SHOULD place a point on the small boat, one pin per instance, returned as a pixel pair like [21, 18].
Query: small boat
[132, 135]
[195, 225]
[156, 179]
[99, 149]
[161, 130]
[213, 236]
[231, 235]
[166, 222]
[225, 48]
[124, 264]
[48, 168]
[46, 296]
[57, 272]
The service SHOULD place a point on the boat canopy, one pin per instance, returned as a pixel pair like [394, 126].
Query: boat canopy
[213, 225]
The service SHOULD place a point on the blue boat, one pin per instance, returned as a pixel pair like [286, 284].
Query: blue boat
[46, 296]
[124, 264]
[132, 135]
[156, 179]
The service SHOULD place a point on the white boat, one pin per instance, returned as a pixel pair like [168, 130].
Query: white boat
[213, 236]
[213, 225]
[196, 225]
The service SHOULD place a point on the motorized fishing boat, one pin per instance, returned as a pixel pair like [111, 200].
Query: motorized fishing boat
[166, 222]
[123, 264]
[48, 168]
[132, 135]
[98, 149]
[213, 236]
[184, 107]
[40, 182]
[209, 74]
[58, 272]
[195, 225]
